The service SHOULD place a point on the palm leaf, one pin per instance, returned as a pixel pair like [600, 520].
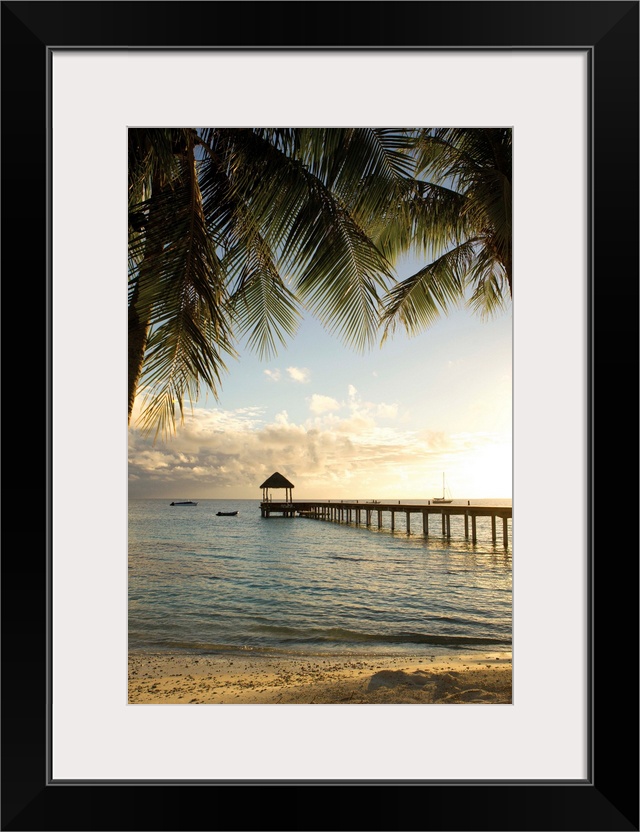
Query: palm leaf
[419, 301]
[329, 259]
[262, 306]
[486, 278]
[181, 291]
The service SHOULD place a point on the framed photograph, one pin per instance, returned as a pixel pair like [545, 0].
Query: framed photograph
[562, 754]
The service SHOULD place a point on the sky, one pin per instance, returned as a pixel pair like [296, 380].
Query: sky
[386, 424]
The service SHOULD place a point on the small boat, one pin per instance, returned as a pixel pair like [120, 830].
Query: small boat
[183, 503]
[444, 498]
[226, 513]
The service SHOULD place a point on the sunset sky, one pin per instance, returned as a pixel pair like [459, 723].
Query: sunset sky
[338, 424]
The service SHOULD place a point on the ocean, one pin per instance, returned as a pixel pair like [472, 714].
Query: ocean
[200, 583]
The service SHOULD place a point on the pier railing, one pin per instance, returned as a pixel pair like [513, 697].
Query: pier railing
[364, 514]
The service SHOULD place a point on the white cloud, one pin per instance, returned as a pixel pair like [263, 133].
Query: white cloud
[387, 411]
[357, 423]
[300, 374]
[322, 404]
[273, 375]
[369, 410]
[216, 451]
[219, 453]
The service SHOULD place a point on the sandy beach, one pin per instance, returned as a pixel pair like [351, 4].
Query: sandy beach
[158, 678]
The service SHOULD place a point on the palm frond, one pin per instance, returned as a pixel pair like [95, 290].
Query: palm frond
[427, 219]
[371, 167]
[180, 290]
[419, 301]
[329, 258]
[486, 279]
[341, 273]
[261, 304]
[182, 354]
[154, 154]
[463, 209]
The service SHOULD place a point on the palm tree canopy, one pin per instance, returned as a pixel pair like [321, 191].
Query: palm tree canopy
[458, 214]
[234, 232]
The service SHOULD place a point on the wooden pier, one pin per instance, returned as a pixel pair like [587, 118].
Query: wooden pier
[364, 514]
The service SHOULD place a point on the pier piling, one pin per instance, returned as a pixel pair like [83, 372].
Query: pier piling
[351, 512]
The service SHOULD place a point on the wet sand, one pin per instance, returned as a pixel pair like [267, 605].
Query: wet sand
[159, 678]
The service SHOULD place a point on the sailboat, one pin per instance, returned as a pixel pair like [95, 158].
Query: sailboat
[442, 499]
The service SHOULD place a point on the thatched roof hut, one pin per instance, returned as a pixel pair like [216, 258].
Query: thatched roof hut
[277, 481]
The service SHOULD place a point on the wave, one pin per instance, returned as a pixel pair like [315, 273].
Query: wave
[269, 638]
[339, 635]
[344, 557]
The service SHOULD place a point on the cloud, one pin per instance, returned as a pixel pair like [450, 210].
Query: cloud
[300, 374]
[370, 410]
[323, 404]
[355, 451]
[272, 375]
[216, 451]
[387, 411]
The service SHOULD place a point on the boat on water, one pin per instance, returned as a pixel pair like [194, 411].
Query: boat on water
[183, 503]
[444, 498]
[226, 513]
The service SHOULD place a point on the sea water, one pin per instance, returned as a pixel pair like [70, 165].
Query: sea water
[202, 583]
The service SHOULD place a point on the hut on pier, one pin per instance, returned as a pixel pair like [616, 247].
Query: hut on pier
[277, 481]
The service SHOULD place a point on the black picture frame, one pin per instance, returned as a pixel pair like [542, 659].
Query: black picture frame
[608, 798]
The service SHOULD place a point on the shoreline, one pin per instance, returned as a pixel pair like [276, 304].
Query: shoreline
[315, 678]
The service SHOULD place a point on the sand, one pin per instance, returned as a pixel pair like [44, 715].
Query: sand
[164, 678]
